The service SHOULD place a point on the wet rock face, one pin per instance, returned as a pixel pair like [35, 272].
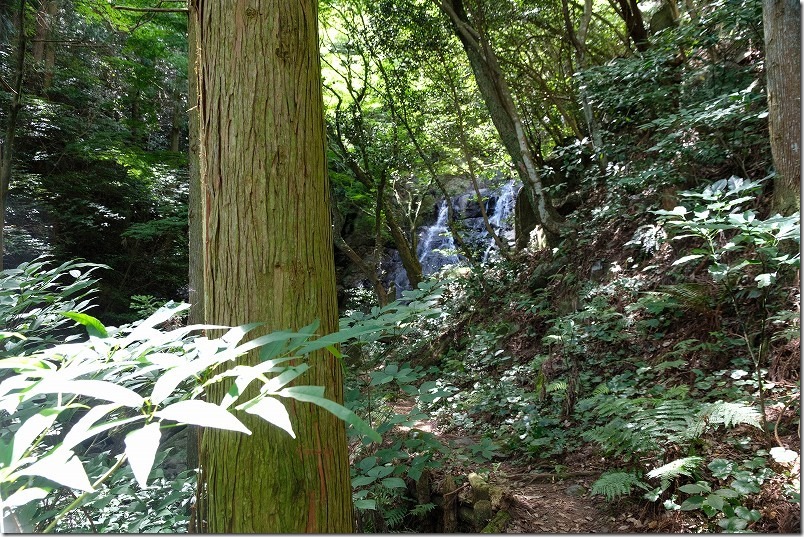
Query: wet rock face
[467, 207]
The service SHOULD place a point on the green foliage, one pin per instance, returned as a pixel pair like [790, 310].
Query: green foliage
[685, 466]
[133, 382]
[746, 256]
[144, 305]
[614, 484]
[724, 499]
[34, 298]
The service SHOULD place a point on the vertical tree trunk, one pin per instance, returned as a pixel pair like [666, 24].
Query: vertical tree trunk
[634, 24]
[268, 257]
[405, 247]
[782, 23]
[451, 80]
[195, 232]
[354, 257]
[578, 40]
[175, 119]
[497, 96]
[51, 9]
[7, 146]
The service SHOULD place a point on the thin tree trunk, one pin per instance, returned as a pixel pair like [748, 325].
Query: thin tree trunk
[467, 156]
[492, 85]
[175, 119]
[7, 147]
[406, 248]
[354, 257]
[52, 10]
[268, 257]
[402, 118]
[634, 24]
[578, 40]
[407, 252]
[782, 24]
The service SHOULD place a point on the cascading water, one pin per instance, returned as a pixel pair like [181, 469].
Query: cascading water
[498, 219]
[436, 246]
[437, 249]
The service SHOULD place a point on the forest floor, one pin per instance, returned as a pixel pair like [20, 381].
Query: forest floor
[537, 501]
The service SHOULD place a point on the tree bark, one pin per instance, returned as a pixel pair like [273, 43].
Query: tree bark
[634, 23]
[195, 235]
[7, 146]
[497, 96]
[782, 24]
[268, 257]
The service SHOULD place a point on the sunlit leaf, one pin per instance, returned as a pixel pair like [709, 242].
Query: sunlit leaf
[92, 388]
[94, 327]
[272, 411]
[195, 412]
[63, 467]
[686, 259]
[141, 446]
[314, 394]
[30, 430]
[80, 431]
[21, 497]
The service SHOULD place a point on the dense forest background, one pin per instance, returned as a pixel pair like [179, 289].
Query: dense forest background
[573, 225]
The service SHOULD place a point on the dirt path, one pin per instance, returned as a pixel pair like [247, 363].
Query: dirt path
[536, 502]
[558, 507]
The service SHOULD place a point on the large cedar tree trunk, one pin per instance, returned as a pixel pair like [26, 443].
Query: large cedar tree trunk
[268, 256]
[782, 22]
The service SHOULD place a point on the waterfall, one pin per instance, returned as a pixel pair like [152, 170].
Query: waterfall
[436, 248]
[435, 243]
[502, 210]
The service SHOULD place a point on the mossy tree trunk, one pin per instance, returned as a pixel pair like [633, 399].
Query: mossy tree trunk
[782, 25]
[268, 257]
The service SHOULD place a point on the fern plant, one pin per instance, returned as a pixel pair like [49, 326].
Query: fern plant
[615, 484]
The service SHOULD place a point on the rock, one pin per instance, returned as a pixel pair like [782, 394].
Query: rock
[482, 512]
[466, 515]
[496, 494]
[575, 490]
[480, 488]
[498, 523]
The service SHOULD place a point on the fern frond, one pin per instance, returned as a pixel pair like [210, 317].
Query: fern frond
[685, 466]
[675, 419]
[557, 386]
[616, 483]
[691, 296]
[422, 509]
[395, 516]
[730, 414]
